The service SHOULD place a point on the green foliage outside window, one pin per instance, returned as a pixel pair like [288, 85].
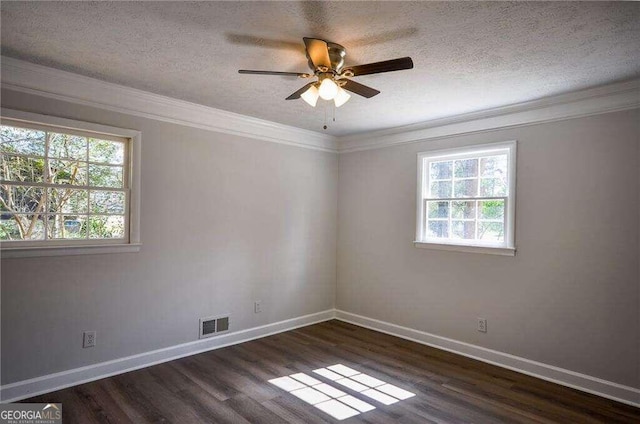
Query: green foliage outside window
[60, 185]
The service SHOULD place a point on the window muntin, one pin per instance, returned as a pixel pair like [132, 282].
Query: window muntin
[60, 186]
[465, 196]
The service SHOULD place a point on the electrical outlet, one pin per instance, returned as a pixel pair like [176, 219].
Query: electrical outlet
[257, 306]
[88, 339]
[482, 325]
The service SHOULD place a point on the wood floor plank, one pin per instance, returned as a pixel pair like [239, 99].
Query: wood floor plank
[258, 390]
[253, 411]
[159, 397]
[209, 408]
[231, 385]
[102, 404]
[292, 411]
[123, 398]
[204, 377]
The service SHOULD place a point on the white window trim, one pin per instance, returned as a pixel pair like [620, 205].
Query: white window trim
[133, 167]
[507, 248]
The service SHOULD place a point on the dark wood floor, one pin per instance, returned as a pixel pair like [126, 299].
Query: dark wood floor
[231, 385]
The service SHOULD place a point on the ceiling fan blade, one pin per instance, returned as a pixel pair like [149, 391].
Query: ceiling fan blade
[360, 89]
[379, 67]
[298, 93]
[293, 74]
[317, 52]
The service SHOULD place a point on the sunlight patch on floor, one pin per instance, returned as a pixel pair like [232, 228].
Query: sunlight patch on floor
[335, 402]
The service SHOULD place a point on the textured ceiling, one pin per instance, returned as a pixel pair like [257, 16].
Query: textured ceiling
[468, 56]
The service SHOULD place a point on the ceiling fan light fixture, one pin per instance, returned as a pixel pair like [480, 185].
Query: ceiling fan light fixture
[341, 97]
[328, 89]
[311, 96]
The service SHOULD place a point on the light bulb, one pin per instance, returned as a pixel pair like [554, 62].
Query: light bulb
[328, 89]
[311, 96]
[342, 97]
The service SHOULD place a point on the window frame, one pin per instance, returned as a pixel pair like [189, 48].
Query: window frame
[506, 248]
[131, 165]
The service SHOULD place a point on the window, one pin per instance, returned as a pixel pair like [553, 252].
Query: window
[63, 186]
[466, 198]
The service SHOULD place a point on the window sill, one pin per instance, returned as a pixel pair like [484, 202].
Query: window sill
[30, 252]
[502, 251]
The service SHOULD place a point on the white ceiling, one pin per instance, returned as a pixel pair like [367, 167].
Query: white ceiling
[467, 56]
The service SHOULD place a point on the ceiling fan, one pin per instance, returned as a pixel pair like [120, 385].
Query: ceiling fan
[326, 60]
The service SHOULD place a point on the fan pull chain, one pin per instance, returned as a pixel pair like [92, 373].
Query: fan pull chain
[325, 116]
[326, 113]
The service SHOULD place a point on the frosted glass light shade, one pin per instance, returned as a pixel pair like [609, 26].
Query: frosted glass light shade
[328, 89]
[341, 97]
[311, 96]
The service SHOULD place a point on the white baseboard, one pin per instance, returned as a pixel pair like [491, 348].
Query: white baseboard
[575, 380]
[52, 382]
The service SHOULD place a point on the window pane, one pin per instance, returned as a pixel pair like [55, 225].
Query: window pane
[466, 168]
[494, 166]
[106, 151]
[491, 209]
[106, 227]
[67, 146]
[493, 187]
[23, 199]
[466, 188]
[23, 141]
[105, 176]
[438, 229]
[72, 172]
[107, 202]
[9, 229]
[440, 189]
[463, 210]
[440, 170]
[21, 227]
[491, 231]
[463, 229]
[438, 209]
[466, 193]
[22, 169]
[67, 227]
[64, 200]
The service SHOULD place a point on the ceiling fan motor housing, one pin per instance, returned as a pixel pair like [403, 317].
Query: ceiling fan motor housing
[337, 54]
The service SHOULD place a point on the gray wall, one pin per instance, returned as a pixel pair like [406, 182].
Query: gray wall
[225, 221]
[266, 229]
[568, 298]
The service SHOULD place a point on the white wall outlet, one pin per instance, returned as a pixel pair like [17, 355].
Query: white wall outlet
[88, 339]
[257, 306]
[482, 325]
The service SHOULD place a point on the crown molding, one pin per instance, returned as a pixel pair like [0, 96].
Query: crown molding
[43, 81]
[577, 104]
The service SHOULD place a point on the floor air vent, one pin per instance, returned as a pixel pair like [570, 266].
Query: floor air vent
[211, 326]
